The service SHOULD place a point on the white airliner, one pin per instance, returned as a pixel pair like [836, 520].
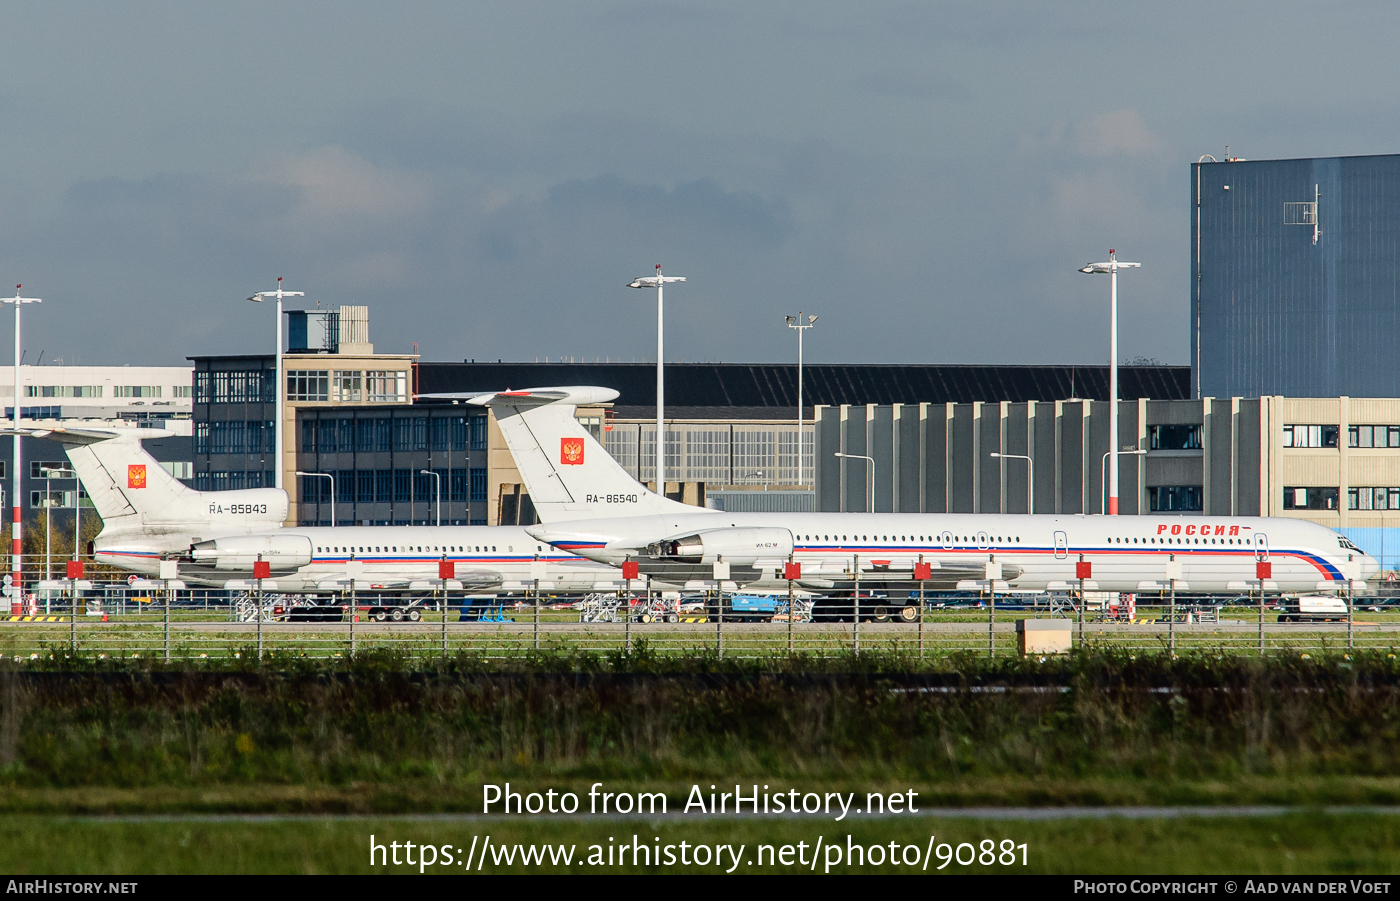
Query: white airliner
[589, 505]
[216, 536]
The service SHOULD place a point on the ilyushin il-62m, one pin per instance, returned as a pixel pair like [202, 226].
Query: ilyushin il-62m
[590, 506]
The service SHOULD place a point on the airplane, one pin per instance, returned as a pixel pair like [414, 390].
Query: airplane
[589, 505]
[216, 536]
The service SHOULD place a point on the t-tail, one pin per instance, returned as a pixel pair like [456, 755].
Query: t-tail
[139, 499]
[567, 472]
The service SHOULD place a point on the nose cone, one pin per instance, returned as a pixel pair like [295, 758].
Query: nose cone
[1370, 567]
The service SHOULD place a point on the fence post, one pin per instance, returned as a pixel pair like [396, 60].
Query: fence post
[991, 619]
[73, 617]
[167, 593]
[1351, 636]
[354, 615]
[790, 611]
[1079, 571]
[624, 600]
[1261, 618]
[721, 574]
[921, 615]
[855, 603]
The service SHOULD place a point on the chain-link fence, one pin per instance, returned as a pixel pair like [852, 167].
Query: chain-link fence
[119, 621]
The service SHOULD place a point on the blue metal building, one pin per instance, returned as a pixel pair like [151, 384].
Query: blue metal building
[1295, 277]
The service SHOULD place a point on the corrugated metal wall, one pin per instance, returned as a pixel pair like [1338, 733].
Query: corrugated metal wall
[1274, 313]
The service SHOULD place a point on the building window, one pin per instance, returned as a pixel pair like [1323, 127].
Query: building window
[1175, 498]
[315, 490]
[387, 386]
[383, 435]
[1310, 435]
[420, 433]
[179, 469]
[218, 437]
[458, 486]
[364, 435]
[478, 483]
[1373, 436]
[403, 434]
[1174, 437]
[478, 432]
[345, 435]
[218, 481]
[458, 427]
[364, 486]
[439, 432]
[237, 480]
[182, 391]
[383, 485]
[201, 387]
[236, 433]
[325, 436]
[1373, 498]
[37, 468]
[345, 486]
[307, 385]
[66, 391]
[41, 499]
[422, 486]
[308, 436]
[123, 391]
[403, 485]
[347, 386]
[231, 387]
[1310, 498]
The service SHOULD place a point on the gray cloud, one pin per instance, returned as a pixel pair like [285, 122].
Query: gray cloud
[487, 176]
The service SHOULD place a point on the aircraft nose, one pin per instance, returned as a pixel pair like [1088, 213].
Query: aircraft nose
[1370, 566]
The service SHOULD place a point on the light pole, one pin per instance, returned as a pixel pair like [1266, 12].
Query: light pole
[324, 475]
[1104, 467]
[869, 475]
[437, 491]
[17, 554]
[659, 282]
[49, 476]
[1112, 267]
[279, 388]
[1030, 476]
[801, 323]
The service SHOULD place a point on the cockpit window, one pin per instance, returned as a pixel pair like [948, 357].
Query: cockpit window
[1346, 545]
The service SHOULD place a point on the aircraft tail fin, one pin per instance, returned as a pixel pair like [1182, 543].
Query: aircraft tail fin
[127, 485]
[567, 472]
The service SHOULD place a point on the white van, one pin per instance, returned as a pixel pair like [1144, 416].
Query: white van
[1313, 608]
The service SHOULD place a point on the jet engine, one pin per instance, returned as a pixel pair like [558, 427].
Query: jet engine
[739, 546]
[238, 553]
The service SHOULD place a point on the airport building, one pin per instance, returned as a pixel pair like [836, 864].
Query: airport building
[93, 397]
[1295, 277]
[1334, 461]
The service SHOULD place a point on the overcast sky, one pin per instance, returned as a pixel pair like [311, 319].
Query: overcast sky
[488, 176]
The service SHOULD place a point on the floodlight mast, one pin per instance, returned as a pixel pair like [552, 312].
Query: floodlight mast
[801, 322]
[17, 552]
[279, 386]
[658, 282]
[1111, 267]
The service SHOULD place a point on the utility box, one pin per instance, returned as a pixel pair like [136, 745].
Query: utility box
[1043, 636]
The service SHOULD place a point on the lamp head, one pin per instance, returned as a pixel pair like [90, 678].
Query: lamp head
[791, 320]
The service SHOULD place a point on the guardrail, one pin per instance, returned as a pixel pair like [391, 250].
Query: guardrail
[117, 622]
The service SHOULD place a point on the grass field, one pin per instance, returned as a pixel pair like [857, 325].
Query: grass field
[388, 734]
[1298, 843]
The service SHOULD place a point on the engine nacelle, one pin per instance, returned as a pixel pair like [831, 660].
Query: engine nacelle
[740, 546]
[238, 553]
